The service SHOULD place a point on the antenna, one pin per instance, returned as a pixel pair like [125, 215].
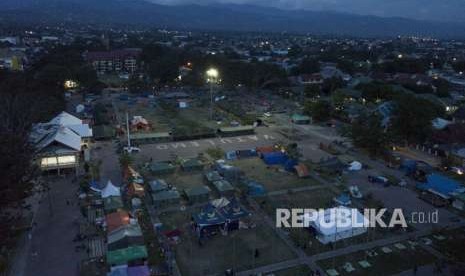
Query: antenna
[127, 130]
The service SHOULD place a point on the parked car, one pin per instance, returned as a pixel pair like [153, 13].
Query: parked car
[378, 179]
[131, 149]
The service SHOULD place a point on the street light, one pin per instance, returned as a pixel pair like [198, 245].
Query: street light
[212, 77]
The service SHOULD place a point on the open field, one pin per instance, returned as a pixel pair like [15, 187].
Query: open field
[272, 177]
[381, 264]
[219, 253]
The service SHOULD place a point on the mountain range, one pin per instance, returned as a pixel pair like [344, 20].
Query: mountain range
[227, 17]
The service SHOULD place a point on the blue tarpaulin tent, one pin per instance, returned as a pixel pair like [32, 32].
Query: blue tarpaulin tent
[274, 158]
[255, 189]
[290, 164]
[441, 185]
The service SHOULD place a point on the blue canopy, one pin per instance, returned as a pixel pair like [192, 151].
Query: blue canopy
[441, 185]
[274, 158]
[290, 164]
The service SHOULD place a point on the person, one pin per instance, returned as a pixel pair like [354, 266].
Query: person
[415, 269]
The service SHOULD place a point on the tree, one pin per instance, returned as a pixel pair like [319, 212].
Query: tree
[125, 160]
[367, 133]
[319, 110]
[412, 118]
[332, 84]
[312, 91]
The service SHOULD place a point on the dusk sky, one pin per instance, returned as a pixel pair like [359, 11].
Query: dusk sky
[446, 10]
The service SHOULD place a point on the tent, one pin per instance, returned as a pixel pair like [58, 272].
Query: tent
[213, 176]
[231, 155]
[141, 270]
[246, 153]
[112, 203]
[136, 190]
[302, 170]
[255, 189]
[198, 194]
[192, 165]
[290, 164]
[441, 186]
[110, 190]
[124, 256]
[116, 220]
[166, 198]
[95, 186]
[355, 166]
[267, 149]
[125, 236]
[330, 224]
[343, 199]
[158, 185]
[121, 270]
[160, 168]
[274, 158]
[223, 187]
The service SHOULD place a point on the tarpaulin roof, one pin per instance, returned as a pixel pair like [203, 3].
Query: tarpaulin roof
[110, 190]
[116, 220]
[124, 231]
[142, 270]
[302, 170]
[274, 158]
[158, 185]
[225, 210]
[441, 185]
[112, 203]
[123, 256]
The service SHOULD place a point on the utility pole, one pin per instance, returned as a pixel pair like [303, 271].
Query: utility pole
[127, 131]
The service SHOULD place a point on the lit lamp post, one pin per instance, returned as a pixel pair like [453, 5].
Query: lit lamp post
[212, 78]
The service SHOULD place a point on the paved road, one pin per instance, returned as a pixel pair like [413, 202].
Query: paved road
[110, 167]
[52, 248]
[190, 149]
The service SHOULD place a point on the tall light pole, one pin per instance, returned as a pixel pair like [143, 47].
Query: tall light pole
[212, 78]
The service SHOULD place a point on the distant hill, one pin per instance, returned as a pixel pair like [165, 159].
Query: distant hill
[220, 17]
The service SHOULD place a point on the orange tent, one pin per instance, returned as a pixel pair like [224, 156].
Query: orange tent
[266, 149]
[116, 220]
[135, 189]
[302, 170]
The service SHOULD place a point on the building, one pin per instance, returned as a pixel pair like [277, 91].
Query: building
[124, 60]
[12, 60]
[59, 142]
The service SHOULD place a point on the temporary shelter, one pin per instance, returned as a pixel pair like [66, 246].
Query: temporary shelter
[160, 168]
[116, 220]
[125, 236]
[213, 176]
[302, 170]
[332, 224]
[355, 166]
[223, 187]
[158, 185]
[198, 194]
[166, 198]
[110, 190]
[126, 255]
[441, 186]
[255, 189]
[112, 204]
[274, 158]
[192, 165]
[343, 199]
[141, 270]
[136, 190]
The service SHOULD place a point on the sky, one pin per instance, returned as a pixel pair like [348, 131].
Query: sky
[443, 10]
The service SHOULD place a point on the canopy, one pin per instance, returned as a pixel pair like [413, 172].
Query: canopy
[125, 231]
[142, 270]
[274, 158]
[355, 166]
[110, 190]
[116, 220]
[123, 256]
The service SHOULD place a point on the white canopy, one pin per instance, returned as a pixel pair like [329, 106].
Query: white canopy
[355, 166]
[110, 190]
[331, 225]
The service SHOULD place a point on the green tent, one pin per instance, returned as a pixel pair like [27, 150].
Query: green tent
[192, 165]
[124, 256]
[112, 203]
[300, 119]
[159, 168]
[198, 194]
[102, 132]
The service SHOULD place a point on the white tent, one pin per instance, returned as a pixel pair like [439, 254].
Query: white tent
[110, 190]
[355, 166]
[331, 225]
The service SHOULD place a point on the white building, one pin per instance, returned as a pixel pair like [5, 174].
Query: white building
[59, 142]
